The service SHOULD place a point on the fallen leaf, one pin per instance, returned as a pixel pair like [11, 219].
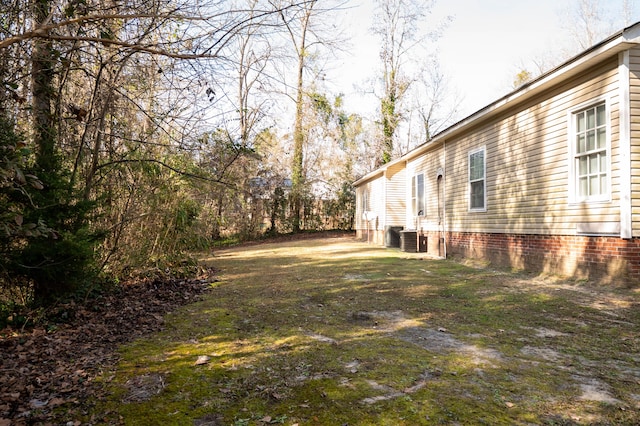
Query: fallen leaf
[54, 402]
[202, 359]
[36, 403]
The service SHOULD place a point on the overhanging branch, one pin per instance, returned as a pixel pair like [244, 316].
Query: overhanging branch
[165, 165]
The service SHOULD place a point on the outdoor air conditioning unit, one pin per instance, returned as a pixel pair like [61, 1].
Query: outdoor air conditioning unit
[411, 241]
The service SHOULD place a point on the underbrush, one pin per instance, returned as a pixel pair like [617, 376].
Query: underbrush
[50, 357]
[19, 311]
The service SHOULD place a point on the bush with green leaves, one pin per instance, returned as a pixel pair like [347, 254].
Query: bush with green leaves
[46, 249]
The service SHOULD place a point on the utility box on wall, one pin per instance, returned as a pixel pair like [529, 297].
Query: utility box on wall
[411, 241]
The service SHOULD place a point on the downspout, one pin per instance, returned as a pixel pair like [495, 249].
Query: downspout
[444, 199]
[383, 223]
[626, 224]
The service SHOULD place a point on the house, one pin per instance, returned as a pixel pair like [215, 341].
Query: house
[546, 178]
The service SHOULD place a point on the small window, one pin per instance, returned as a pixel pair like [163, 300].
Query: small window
[417, 195]
[477, 180]
[365, 200]
[590, 147]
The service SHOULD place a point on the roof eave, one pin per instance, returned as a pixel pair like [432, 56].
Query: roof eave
[369, 176]
[613, 45]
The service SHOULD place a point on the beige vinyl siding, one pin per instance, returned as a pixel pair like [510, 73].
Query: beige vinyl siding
[429, 163]
[634, 95]
[395, 192]
[527, 165]
[374, 190]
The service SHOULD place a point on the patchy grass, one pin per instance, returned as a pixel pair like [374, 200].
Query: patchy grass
[335, 332]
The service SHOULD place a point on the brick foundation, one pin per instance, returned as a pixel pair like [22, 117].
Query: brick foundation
[608, 259]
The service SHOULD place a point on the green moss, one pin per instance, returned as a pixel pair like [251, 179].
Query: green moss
[322, 334]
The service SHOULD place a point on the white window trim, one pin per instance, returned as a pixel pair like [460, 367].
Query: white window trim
[415, 195]
[364, 201]
[572, 184]
[484, 178]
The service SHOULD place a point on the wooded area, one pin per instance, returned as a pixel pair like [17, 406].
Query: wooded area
[132, 134]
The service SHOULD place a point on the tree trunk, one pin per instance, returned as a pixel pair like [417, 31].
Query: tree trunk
[42, 70]
[44, 130]
[388, 107]
[297, 175]
[297, 170]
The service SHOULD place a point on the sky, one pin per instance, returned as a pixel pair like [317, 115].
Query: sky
[482, 49]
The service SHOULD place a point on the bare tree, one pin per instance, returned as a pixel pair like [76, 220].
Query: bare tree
[398, 25]
[116, 95]
[586, 22]
[299, 30]
[308, 34]
[627, 12]
[437, 103]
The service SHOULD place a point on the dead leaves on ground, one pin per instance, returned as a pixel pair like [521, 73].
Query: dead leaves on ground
[53, 366]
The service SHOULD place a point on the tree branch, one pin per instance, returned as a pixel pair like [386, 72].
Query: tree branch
[163, 164]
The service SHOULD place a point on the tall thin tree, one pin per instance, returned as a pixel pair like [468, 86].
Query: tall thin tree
[298, 29]
[397, 26]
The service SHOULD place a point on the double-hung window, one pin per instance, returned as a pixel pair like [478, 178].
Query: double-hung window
[364, 206]
[590, 147]
[417, 195]
[477, 180]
